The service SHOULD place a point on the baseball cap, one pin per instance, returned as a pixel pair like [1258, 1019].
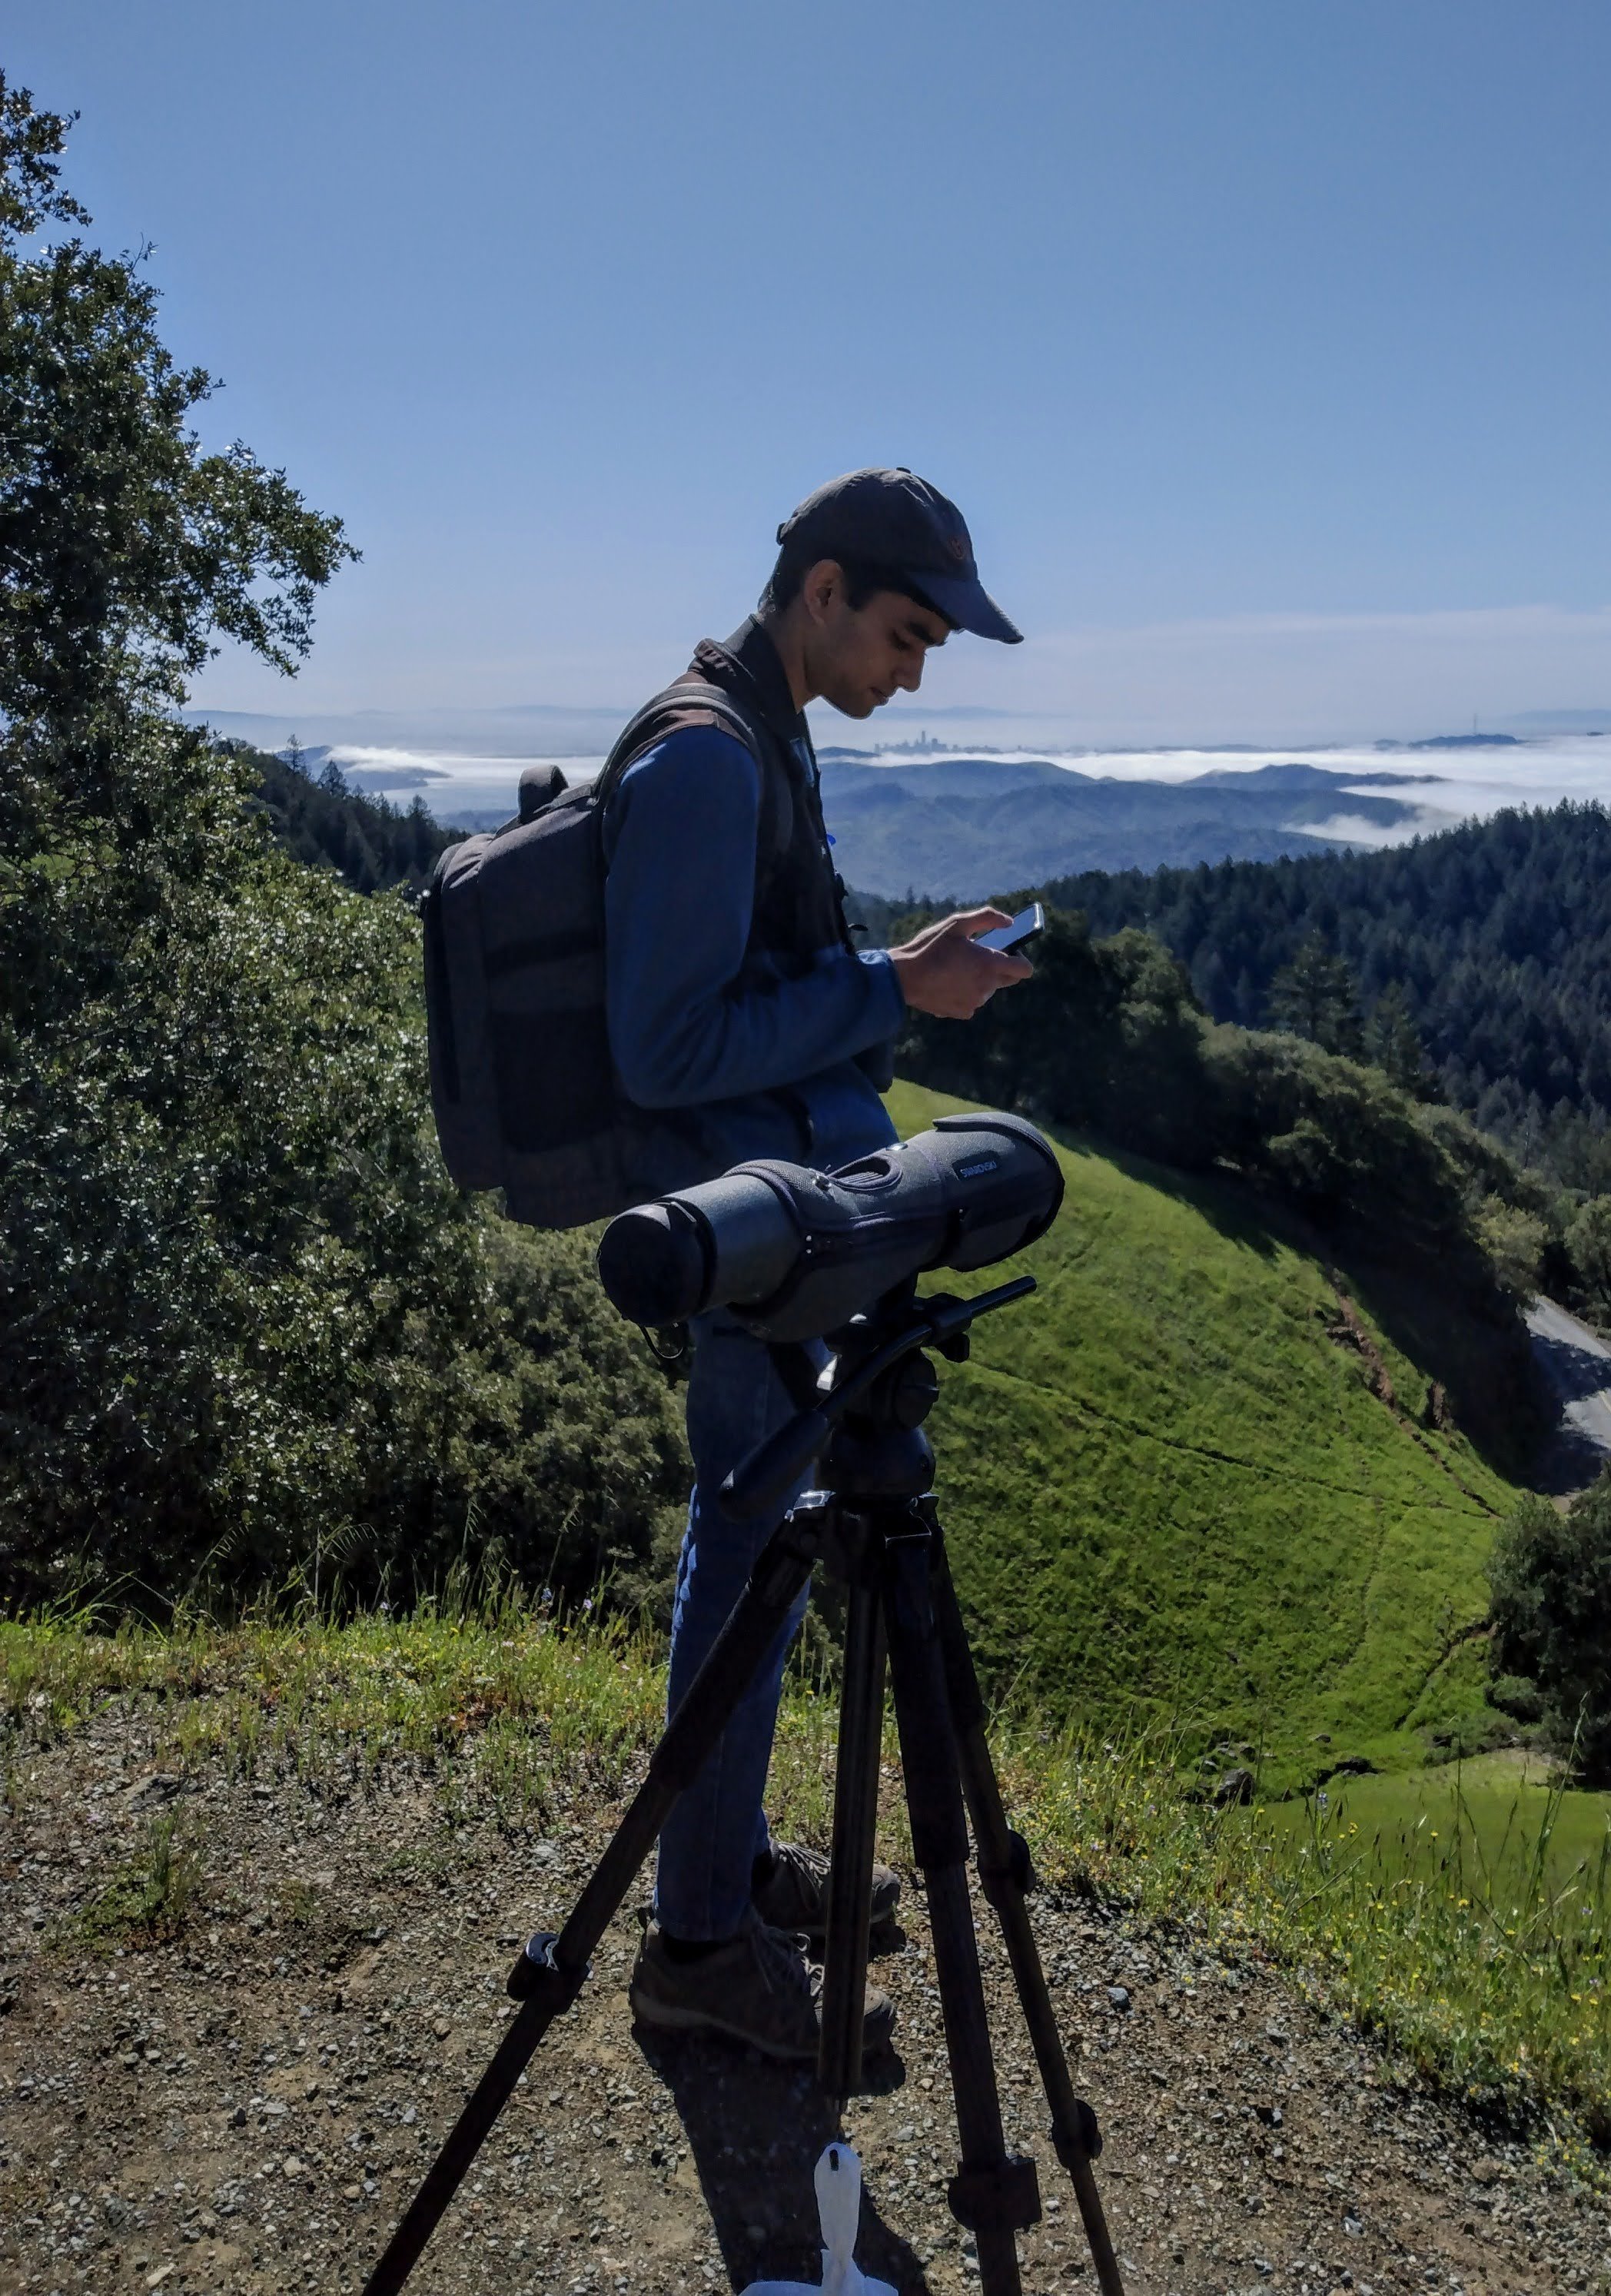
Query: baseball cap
[893, 520]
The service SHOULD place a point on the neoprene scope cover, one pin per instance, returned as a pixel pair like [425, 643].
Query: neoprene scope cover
[792, 1253]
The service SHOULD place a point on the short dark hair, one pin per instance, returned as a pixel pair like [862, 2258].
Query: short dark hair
[863, 581]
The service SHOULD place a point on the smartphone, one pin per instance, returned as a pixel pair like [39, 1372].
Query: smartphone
[1024, 928]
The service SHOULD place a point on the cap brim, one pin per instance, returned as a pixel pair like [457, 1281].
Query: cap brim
[963, 600]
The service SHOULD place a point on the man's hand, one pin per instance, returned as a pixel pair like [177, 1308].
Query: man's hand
[944, 972]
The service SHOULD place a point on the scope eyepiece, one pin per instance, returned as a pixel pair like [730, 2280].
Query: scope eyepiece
[795, 1253]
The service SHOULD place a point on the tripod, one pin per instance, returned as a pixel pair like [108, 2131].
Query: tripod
[875, 1525]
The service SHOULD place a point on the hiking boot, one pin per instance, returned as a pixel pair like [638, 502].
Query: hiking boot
[756, 1988]
[796, 1897]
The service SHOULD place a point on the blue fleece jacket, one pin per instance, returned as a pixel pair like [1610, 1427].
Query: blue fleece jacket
[695, 1021]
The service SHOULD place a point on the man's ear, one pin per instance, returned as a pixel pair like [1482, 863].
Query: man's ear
[822, 587]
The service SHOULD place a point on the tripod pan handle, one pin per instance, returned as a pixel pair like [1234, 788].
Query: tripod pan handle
[772, 1472]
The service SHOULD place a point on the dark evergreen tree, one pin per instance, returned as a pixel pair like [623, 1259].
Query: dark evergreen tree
[1314, 997]
[1393, 1042]
[1498, 935]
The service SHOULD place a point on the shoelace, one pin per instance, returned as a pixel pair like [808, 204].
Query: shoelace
[811, 1863]
[778, 1959]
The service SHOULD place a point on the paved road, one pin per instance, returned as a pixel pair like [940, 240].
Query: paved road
[1576, 1362]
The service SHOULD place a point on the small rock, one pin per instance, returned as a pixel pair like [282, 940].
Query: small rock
[290, 2165]
[161, 1785]
[1486, 2171]
[1119, 1996]
[155, 2279]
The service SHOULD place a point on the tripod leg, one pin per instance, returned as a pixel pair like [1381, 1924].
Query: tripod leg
[855, 1804]
[1004, 1861]
[550, 1974]
[993, 2192]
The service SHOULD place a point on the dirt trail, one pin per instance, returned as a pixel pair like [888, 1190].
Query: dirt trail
[247, 2107]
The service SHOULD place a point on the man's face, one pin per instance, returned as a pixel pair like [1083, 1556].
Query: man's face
[858, 658]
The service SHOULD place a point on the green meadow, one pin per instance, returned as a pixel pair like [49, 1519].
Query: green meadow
[1176, 1496]
[1500, 1828]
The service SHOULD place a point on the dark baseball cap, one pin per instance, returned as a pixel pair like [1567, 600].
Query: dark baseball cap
[892, 520]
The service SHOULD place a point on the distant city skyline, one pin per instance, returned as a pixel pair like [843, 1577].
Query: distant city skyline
[1264, 351]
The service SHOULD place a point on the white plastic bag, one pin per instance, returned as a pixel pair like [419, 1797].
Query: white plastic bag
[838, 2183]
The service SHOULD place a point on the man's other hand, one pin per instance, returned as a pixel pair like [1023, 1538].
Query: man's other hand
[943, 970]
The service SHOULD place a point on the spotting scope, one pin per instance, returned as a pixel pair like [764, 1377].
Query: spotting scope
[793, 1253]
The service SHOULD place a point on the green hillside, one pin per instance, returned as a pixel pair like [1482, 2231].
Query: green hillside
[1179, 1491]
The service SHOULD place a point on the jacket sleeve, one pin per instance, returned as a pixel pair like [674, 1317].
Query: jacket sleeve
[685, 1026]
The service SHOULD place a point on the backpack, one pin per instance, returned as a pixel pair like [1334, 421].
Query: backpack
[522, 1086]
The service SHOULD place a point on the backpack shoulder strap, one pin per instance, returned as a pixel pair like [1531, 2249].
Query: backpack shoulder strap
[692, 701]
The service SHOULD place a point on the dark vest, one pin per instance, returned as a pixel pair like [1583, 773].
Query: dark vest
[799, 896]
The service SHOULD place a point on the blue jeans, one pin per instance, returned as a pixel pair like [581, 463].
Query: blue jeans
[717, 1828]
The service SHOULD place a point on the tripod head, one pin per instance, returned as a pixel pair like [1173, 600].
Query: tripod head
[883, 1389]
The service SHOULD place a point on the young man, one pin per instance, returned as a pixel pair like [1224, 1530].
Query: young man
[736, 994]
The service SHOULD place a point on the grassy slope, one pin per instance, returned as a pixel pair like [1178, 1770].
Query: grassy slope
[1166, 1483]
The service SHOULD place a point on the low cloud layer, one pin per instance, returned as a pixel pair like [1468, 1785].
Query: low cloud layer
[1278, 678]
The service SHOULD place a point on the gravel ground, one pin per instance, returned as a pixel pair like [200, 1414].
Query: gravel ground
[248, 2106]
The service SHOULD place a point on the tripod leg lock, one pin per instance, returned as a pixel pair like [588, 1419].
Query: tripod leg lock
[1007, 2192]
[1017, 1879]
[537, 1972]
[1083, 2142]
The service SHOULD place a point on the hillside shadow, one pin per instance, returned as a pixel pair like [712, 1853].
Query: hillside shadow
[756, 2130]
[1567, 1464]
[1482, 1379]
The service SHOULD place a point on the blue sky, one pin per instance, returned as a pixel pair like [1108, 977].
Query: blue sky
[1265, 348]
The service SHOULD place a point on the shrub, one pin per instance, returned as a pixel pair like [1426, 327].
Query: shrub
[1551, 1609]
[1588, 1246]
[251, 1333]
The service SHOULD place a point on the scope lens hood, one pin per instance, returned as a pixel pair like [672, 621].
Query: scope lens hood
[656, 1263]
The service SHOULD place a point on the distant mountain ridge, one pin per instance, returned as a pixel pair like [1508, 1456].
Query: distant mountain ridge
[955, 827]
